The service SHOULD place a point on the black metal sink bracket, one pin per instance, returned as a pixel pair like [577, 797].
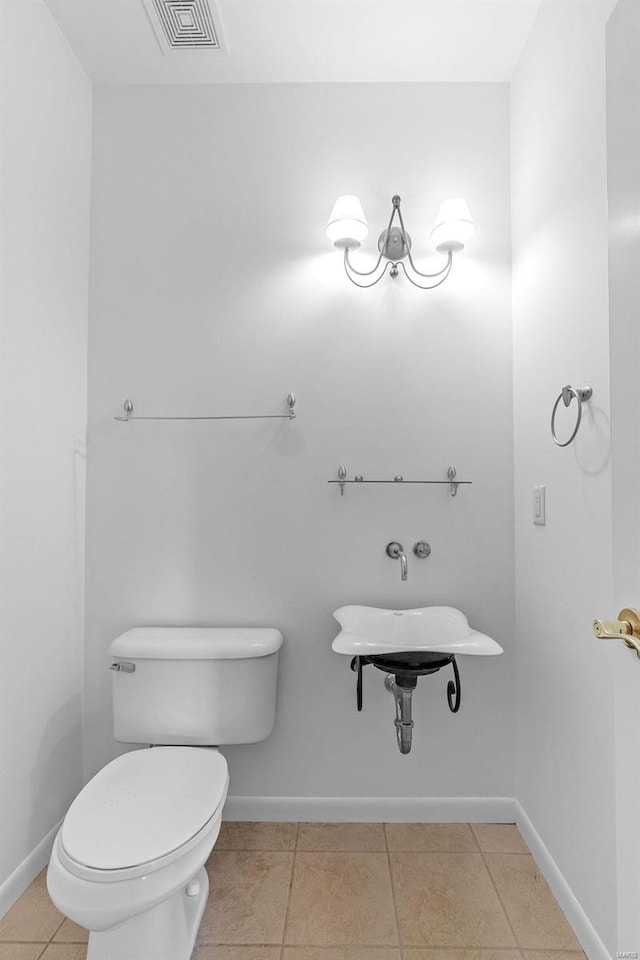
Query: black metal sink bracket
[357, 665]
[454, 689]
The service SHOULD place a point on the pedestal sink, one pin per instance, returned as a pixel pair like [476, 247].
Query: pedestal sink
[407, 644]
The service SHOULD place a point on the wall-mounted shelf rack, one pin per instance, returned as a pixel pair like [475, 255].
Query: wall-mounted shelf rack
[451, 480]
[291, 400]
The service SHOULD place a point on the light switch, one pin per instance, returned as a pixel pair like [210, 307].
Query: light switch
[539, 510]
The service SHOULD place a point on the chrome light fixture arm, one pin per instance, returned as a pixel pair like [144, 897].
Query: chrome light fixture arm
[443, 274]
[427, 276]
[350, 270]
[368, 273]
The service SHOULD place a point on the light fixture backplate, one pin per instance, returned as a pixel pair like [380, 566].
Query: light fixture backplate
[392, 245]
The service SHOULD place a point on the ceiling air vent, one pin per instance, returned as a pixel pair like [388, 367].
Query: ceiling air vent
[184, 24]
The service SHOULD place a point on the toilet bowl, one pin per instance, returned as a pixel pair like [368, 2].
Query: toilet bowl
[128, 861]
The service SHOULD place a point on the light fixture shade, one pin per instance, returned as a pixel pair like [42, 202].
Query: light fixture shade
[347, 226]
[453, 227]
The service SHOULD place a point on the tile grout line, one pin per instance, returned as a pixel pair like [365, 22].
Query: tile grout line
[20, 943]
[493, 884]
[393, 889]
[481, 853]
[56, 931]
[503, 853]
[475, 839]
[286, 911]
[486, 866]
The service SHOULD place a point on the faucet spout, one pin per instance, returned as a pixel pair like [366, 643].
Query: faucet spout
[396, 552]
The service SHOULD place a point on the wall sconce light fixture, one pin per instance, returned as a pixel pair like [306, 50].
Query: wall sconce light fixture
[348, 227]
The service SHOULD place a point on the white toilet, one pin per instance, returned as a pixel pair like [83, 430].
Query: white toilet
[128, 861]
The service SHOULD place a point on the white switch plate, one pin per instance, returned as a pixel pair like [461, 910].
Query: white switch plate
[539, 507]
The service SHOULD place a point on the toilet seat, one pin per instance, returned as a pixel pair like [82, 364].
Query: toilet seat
[143, 810]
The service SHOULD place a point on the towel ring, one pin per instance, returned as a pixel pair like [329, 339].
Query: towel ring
[566, 395]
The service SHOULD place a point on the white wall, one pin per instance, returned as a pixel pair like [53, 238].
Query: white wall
[565, 747]
[214, 289]
[46, 134]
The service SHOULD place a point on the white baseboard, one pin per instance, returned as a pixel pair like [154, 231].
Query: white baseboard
[15, 885]
[580, 923]
[372, 809]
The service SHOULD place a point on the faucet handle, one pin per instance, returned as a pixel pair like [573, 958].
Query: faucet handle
[422, 549]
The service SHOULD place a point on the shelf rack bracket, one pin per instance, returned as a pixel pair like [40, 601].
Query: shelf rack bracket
[342, 476]
[453, 484]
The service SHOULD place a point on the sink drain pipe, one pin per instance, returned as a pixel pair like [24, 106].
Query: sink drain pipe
[403, 681]
[402, 688]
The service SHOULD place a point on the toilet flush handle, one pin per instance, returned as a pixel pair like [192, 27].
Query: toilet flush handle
[123, 667]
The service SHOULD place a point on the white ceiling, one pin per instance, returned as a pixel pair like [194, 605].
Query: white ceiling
[280, 41]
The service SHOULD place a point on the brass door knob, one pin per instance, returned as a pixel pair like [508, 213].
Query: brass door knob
[625, 628]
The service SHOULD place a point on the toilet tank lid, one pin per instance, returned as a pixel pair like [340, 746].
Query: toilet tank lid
[196, 643]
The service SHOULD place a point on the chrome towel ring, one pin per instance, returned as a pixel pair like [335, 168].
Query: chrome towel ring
[566, 395]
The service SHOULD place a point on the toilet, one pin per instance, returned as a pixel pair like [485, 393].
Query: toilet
[128, 860]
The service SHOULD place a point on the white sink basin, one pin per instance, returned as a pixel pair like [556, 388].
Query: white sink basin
[369, 631]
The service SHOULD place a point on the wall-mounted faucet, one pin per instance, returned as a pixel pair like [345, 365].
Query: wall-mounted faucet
[396, 552]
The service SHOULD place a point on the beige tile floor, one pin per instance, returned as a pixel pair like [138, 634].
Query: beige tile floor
[401, 891]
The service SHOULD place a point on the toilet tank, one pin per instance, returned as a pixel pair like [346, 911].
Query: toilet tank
[194, 685]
